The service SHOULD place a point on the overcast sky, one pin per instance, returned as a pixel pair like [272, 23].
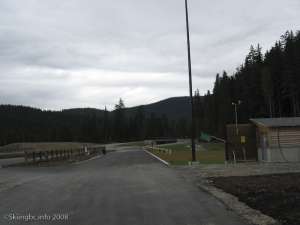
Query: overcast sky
[58, 54]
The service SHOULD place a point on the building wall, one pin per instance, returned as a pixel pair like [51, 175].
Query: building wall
[263, 140]
[285, 137]
[283, 145]
[277, 155]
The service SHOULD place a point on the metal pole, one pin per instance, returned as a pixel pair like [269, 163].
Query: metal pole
[190, 81]
[236, 119]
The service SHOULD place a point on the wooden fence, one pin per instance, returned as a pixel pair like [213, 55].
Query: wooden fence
[55, 154]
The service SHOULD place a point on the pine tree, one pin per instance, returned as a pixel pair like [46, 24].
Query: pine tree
[119, 121]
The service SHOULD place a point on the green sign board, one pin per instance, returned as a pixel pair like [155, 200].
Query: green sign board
[205, 137]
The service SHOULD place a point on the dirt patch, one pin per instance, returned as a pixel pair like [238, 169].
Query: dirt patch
[275, 195]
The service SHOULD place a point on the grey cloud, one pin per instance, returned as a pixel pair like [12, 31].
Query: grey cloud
[48, 48]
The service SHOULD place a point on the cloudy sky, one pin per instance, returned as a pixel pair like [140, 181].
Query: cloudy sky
[58, 54]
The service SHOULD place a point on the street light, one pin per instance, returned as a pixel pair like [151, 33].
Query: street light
[190, 80]
[236, 115]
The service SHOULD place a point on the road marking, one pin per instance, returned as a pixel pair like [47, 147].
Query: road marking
[161, 160]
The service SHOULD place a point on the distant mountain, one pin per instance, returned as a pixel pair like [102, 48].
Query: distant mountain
[173, 108]
[84, 111]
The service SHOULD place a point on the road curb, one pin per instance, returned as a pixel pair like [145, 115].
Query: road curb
[159, 159]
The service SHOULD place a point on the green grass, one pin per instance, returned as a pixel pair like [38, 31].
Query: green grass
[210, 153]
[203, 146]
[177, 147]
[213, 146]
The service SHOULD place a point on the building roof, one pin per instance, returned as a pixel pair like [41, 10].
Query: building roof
[277, 122]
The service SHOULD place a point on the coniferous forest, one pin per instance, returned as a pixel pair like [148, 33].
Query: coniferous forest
[26, 124]
[265, 85]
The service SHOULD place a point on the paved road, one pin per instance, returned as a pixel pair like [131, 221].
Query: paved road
[121, 188]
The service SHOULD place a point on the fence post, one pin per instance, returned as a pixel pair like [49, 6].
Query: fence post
[33, 156]
[26, 157]
[226, 145]
[234, 157]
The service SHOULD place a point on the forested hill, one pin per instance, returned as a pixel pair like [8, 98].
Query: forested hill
[174, 108]
[266, 85]
[167, 118]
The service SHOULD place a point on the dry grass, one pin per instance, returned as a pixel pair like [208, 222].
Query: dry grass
[183, 157]
[207, 153]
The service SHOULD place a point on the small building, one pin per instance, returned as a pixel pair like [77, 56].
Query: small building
[278, 139]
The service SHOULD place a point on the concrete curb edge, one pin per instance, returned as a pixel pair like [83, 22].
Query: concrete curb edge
[161, 160]
[252, 216]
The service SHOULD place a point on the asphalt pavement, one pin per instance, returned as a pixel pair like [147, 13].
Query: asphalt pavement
[121, 188]
[5, 162]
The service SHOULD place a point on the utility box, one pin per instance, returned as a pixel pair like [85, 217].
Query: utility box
[241, 142]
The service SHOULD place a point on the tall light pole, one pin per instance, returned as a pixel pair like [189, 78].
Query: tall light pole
[236, 115]
[190, 80]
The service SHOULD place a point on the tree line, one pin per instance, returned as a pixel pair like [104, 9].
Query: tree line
[26, 124]
[265, 85]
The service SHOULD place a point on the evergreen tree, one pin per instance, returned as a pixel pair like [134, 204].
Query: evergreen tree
[120, 121]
